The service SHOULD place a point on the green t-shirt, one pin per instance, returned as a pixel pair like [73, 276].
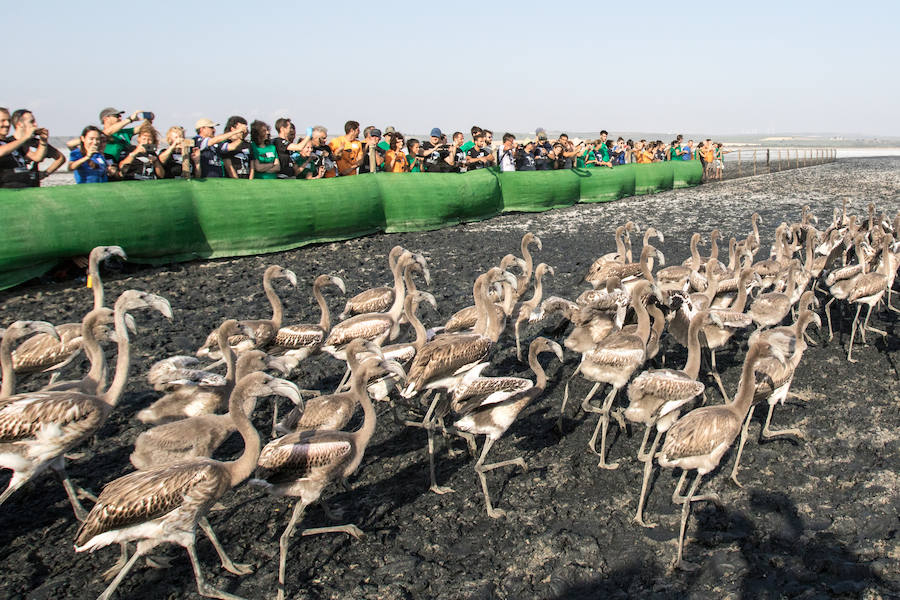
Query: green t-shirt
[265, 155]
[413, 169]
[118, 142]
[384, 145]
[673, 153]
[587, 156]
[467, 146]
[604, 153]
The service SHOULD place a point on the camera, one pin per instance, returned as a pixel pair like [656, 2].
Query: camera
[188, 143]
[150, 149]
[145, 116]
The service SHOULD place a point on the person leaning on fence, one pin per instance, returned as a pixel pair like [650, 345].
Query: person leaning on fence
[139, 162]
[285, 146]
[87, 160]
[413, 158]
[115, 128]
[437, 156]
[459, 155]
[22, 153]
[263, 154]
[479, 156]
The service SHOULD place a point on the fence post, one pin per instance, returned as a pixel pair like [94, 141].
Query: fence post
[797, 157]
[767, 159]
[740, 171]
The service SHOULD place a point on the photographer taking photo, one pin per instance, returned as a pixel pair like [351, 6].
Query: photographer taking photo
[87, 160]
[438, 156]
[140, 162]
[22, 153]
[176, 158]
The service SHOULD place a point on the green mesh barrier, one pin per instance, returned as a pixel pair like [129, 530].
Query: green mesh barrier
[169, 221]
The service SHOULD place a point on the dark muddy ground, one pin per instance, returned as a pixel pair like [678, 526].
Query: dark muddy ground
[814, 520]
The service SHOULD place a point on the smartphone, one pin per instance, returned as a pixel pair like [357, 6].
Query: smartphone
[146, 116]
[189, 143]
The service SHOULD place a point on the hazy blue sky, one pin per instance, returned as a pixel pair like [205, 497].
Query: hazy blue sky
[699, 67]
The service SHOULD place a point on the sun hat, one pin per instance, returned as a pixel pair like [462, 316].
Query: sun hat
[109, 111]
[205, 123]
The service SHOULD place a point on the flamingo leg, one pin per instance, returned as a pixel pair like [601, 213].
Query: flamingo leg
[59, 467]
[828, 316]
[108, 592]
[685, 512]
[562, 409]
[768, 434]
[227, 563]
[603, 427]
[872, 329]
[203, 588]
[648, 469]
[299, 509]
[715, 373]
[853, 335]
[737, 460]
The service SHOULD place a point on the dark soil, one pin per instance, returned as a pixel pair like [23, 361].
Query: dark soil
[814, 519]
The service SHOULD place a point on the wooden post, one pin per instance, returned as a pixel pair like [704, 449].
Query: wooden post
[754, 162]
[797, 157]
[740, 171]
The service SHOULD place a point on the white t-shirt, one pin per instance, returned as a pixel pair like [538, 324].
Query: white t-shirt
[506, 160]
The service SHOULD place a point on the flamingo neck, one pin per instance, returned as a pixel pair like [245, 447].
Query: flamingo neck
[744, 397]
[324, 313]
[540, 380]
[123, 361]
[227, 356]
[6, 366]
[96, 283]
[692, 367]
[240, 469]
[96, 376]
[362, 436]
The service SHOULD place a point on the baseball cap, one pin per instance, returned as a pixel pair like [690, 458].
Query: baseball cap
[436, 132]
[375, 132]
[540, 133]
[389, 129]
[205, 123]
[109, 111]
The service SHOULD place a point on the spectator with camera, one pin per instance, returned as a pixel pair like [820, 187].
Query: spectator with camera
[395, 159]
[140, 162]
[506, 154]
[347, 150]
[544, 156]
[373, 154]
[308, 164]
[479, 156]
[22, 153]
[206, 154]
[323, 152]
[459, 155]
[412, 155]
[437, 155]
[176, 157]
[87, 160]
[236, 159]
[475, 130]
[263, 154]
[526, 157]
[115, 129]
[286, 147]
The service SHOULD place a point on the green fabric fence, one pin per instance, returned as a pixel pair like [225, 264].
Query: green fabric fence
[170, 221]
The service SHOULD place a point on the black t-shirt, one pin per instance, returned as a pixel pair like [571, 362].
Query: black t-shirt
[210, 161]
[379, 159]
[474, 152]
[525, 161]
[15, 168]
[460, 166]
[240, 159]
[435, 157]
[139, 169]
[542, 160]
[172, 166]
[326, 156]
[284, 157]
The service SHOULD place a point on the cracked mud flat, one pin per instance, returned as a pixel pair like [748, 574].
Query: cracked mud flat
[814, 520]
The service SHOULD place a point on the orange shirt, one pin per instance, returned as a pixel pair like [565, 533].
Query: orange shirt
[346, 164]
[644, 157]
[395, 162]
[709, 154]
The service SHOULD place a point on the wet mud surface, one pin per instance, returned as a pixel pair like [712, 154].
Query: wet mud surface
[814, 519]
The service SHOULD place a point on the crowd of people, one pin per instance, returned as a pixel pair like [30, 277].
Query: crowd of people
[129, 148]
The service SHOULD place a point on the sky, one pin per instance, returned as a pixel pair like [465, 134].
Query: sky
[695, 67]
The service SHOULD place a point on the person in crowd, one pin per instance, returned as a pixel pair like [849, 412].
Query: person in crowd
[438, 156]
[412, 157]
[526, 157]
[263, 153]
[285, 146]
[475, 130]
[308, 164]
[385, 143]
[22, 153]
[139, 162]
[208, 148]
[176, 157]
[506, 154]
[115, 129]
[674, 152]
[659, 152]
[395, 159]
[709, 158]
[719, 160]
[687, 152]
[479, 156]
[603, 155]
[642, 154]
[87, 160]
[14, 172]
[561, 162]
[323, 151]
[347, 149]
[459, 155]
[489, 140]
[544, 157]
[372, 153]
[236, 159]
[588, 156]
